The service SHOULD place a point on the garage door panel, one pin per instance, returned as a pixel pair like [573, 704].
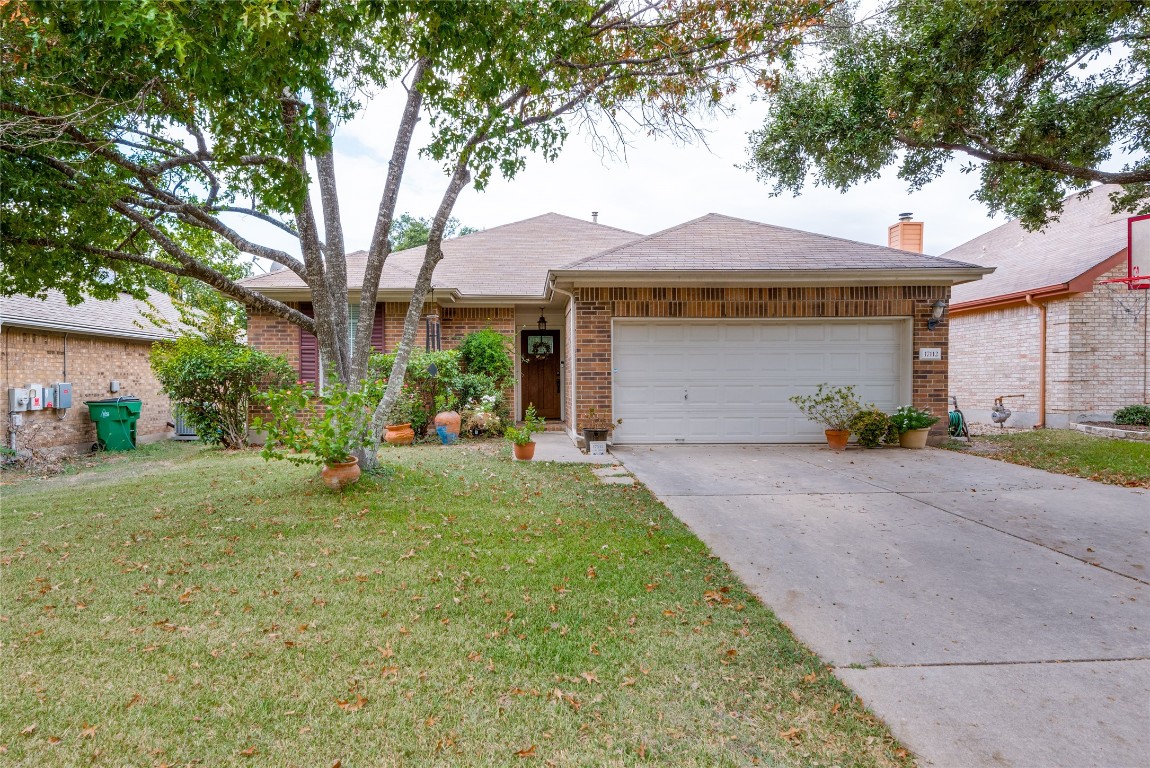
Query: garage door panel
[739, 376]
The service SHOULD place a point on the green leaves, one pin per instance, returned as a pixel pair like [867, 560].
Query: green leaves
[1041, 93]
[308, 428]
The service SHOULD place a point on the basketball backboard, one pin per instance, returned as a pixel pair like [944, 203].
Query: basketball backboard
[1138, 247]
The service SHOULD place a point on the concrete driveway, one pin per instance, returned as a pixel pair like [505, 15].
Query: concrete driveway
[993, 615]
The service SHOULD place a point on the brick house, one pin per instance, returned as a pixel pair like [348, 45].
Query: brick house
[698, 333]
[89, 345]
[1046, 325]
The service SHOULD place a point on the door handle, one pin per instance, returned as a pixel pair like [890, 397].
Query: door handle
[684, 393]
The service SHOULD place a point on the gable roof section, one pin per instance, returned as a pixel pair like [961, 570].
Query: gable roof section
[123, 317]
[509, 260]
[716, 242]
[1087, 239]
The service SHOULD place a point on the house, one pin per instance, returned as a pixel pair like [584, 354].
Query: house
[1046, 329]
[100, 347]
[696, 334]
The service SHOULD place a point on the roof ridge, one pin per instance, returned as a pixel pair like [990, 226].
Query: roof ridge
[636, 241]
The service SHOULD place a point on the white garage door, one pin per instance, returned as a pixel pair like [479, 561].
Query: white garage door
[728, 381]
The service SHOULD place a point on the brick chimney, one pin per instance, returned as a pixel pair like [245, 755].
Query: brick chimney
[906, 235]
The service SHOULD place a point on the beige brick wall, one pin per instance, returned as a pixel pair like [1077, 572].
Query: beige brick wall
[595, 307]
[1096, 356]
[38, 357]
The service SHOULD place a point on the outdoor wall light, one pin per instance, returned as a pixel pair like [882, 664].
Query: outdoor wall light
[936, 314]
[542, 321]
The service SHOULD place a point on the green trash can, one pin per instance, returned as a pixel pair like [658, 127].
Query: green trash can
[115, 420]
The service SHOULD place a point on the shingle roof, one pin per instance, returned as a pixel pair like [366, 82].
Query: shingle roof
[1086, 234]
[508, 260]
[123, 317]
[718, 242]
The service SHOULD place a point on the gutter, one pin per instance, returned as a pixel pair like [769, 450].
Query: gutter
[769, 277]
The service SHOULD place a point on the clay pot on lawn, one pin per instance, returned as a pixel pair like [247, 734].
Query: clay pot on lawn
[525, 452]
[837, 438]
[450, 421]
[913, 438]
[399, 434]
[341, 475]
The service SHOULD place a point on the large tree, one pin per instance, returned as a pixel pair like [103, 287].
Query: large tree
[1038, 96]
[133, 134]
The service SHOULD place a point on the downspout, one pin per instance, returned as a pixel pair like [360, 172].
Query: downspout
[1041, 361]
[571, 417]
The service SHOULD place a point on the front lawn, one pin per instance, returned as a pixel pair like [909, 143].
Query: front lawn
[1068, 452]
[190, 607]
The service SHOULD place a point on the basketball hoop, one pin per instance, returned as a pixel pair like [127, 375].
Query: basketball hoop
[1138, 254]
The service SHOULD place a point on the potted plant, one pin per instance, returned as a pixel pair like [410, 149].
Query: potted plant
[913, 425]
[399, 431]
[833, 407]
[597, 426]
[521, 443]
[447, 421]
[327, 430]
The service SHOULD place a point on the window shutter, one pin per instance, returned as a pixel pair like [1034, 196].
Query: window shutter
[308, 350]
[377, 342]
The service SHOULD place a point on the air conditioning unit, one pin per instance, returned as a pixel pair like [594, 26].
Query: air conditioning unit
[184, 430]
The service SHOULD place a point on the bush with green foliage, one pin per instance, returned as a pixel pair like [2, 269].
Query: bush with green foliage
[1137, 415]
[873, 428]
[531, 424]
[486, 353]
[833, 407]
[908, 417]
[212, 383]
[304, 427]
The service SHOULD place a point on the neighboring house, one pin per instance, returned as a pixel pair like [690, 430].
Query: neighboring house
[1046, 325]
[697, 334]
[90, 346]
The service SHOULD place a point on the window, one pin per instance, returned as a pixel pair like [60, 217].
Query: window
[540, 346]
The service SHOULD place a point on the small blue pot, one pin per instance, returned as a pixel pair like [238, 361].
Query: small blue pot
[447, 438]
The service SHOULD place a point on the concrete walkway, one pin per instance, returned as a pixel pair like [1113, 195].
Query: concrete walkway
[993, 615]
[559, 447]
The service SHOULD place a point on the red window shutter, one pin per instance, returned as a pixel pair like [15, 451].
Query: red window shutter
[377, 329]
[308, 350]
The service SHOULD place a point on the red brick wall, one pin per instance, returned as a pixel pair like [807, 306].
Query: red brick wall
[460, 321]
[37, 357]
[595, 307]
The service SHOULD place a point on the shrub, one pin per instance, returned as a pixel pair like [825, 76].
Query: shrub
[833, 407]
[212, 383]
[1138, 415]
[873, 428]
[908, 417]
[306, 428]
[486, 353]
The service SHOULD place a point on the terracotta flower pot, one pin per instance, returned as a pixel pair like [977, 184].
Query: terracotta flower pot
[914, 438]
[450, 420]
[837, 438]
[341, 475]
[399, 434]
[523, 452]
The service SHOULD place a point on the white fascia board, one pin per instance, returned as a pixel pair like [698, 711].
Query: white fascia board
[718, 278]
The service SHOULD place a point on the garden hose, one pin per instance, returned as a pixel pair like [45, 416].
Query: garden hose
[957, 424]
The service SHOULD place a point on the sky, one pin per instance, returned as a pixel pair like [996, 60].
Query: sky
[658, 184]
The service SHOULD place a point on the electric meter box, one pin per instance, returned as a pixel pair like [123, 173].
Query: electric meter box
[35, 397]
[17, 399]
[49, 396]
[63, 395]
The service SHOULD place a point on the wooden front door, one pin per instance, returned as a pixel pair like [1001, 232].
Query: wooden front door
[540, 380]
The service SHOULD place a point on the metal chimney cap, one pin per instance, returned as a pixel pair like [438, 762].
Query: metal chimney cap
[905, 216]
[594, 217]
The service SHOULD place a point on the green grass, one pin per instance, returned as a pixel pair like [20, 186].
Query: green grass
[183, 606]
[1068, 452]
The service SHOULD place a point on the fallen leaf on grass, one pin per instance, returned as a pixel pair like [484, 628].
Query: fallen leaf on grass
[54, 740]
[901, 753]
[352, 705]
[790, 733]
[590, 677]
[811, 677]
[136, 699]
[88, 731]
[31, 729]
[529, 752]
[249, 752]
